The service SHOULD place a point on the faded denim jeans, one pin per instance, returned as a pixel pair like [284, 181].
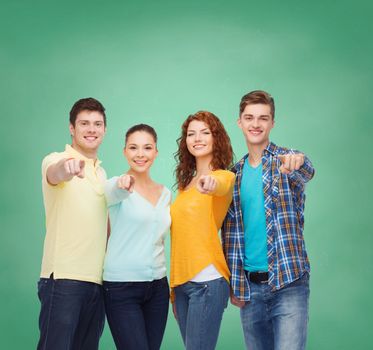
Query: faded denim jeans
[199, 308]
[277, 320]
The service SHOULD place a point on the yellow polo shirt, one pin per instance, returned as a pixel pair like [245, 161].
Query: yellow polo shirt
[76, 222]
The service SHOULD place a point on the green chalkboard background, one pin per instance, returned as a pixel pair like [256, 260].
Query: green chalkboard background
[158, 61]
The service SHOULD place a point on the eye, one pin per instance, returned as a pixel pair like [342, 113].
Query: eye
[132, 147]
[190, 134]
[149, 148]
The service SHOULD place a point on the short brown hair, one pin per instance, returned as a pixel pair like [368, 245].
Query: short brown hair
[258, 97]
[86, 104]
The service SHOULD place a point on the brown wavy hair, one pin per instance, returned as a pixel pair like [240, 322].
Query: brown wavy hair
[222, 153]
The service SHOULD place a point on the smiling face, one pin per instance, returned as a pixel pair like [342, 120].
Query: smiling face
[199, 139]
[140, 151]
[88, 132]
[256, 123]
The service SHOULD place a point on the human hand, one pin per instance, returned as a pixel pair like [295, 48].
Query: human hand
[236, 302]
[291, 162]
[72, 167]
[174, 310]
[206, 184]
[126, 182]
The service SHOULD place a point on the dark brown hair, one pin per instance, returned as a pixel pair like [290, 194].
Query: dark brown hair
[258, 97]
[140, 127]
[222, 155]
[86, 104]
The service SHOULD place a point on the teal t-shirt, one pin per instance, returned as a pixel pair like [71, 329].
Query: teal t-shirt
[254, 221]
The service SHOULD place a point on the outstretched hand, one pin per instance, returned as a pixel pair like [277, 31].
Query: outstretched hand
[126, 182]
[73, 167]
[206, 184]
[291, 162]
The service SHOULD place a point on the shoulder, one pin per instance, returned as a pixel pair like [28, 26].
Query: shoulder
[52, 158]
[223, 174]
[168, 193]
[240, 163]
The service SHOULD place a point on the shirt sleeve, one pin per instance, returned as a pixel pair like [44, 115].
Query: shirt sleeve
[225, 181]
[113, 194]
[49, 160]
[304, 174]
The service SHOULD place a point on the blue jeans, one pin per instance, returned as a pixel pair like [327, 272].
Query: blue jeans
[199, 310]
[72, 314]
[277, 320]
[137, 313]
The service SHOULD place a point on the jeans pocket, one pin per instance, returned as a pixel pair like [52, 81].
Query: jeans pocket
[112, 286]
[41, 285]
[117, 291]
[224, 291]
[164, 281]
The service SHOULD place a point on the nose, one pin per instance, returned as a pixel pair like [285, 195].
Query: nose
[91, 128]
[255, 123]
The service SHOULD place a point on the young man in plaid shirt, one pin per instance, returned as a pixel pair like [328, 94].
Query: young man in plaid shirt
[263, 234]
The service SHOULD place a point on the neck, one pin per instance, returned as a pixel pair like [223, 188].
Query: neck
[86, 153]
[203, 165]
[256, 152]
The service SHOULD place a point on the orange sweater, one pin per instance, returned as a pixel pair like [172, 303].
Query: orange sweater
[196, 220]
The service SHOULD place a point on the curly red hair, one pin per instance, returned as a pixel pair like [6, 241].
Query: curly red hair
[222, 153]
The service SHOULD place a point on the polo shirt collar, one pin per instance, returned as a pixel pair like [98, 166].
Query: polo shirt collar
[75, 154]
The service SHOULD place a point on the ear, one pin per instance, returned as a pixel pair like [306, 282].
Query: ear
[239, 122]
[72, 129]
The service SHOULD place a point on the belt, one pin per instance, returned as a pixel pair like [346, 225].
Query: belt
[257, 277]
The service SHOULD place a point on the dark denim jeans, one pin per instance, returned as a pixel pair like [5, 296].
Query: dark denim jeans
[137, 313]
[199, 308]
[277, 320]
[72, 314]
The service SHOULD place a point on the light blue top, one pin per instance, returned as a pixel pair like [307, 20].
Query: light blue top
[254, 221]
[135, 250]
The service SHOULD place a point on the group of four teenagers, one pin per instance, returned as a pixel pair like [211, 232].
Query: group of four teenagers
[260, 263]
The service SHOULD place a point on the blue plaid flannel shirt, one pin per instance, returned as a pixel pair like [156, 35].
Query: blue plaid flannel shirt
[284, 205]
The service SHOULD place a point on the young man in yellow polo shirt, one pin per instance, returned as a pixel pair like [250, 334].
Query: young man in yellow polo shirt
[72, 312]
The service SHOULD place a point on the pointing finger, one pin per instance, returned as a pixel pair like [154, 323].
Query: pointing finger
[131, 183]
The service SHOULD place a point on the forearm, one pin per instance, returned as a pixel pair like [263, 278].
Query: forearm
[224, 184]
[304, 174]
[113, 194]
[56, 174]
